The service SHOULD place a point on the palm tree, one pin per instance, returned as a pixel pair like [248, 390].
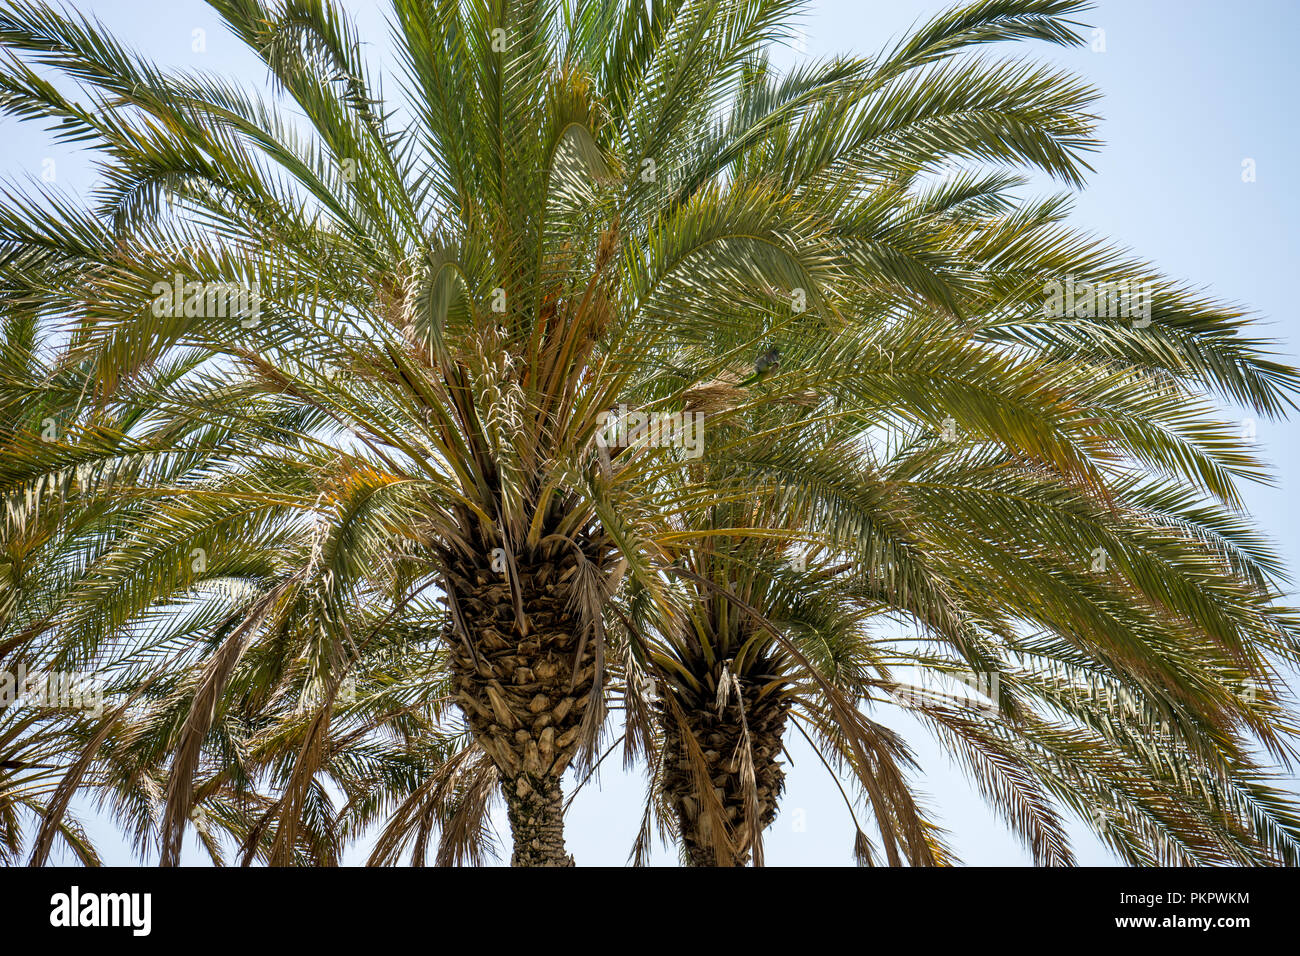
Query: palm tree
[460, 288]
[108, 524]
[880, 565]
[65, 459]
[557, 216]
[1058, 411]
[571, 209]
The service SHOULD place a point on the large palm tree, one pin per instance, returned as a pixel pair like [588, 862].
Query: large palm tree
[466, 299]
[557, 214]
[570, 207]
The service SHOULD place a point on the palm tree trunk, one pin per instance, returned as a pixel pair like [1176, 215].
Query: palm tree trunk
[701, 743]
[535, 808]
[525, 688]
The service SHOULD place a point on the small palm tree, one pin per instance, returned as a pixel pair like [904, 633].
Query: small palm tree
[1058, 413]
[806, 629]
[108, 583]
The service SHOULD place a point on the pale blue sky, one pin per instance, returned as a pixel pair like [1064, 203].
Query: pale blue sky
[1190, 89]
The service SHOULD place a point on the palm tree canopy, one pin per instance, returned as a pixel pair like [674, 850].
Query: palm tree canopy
[357, 352]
